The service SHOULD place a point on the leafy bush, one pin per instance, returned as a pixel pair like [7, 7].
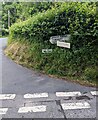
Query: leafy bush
[77, 19]
[5, 32]
[91, 73]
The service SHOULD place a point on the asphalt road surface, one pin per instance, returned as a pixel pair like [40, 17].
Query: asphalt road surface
[29, 94]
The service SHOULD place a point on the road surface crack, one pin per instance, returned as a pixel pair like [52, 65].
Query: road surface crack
[58, 102]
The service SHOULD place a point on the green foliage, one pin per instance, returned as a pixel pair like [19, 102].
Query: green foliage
[20, 11]
[5, 32]
[91, 73]
[61, 62]
[12, 8]
[77, 19]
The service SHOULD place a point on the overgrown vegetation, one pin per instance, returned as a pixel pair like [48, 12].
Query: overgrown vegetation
[21, 11]
[78, 19]
[0, 18]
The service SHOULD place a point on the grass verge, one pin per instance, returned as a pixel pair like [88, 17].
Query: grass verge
[61, 63]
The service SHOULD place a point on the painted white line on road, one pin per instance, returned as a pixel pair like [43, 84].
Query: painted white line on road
[66, 94]
[95, 93]
[7, 96]
[36, 95]
[3, 110]
[41, 108]
[78, 105]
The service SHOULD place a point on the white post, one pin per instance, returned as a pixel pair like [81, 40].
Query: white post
[8, 18]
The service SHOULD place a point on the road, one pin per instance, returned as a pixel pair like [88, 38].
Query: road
[29, 94]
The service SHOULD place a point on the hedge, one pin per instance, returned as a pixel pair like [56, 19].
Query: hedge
[77, 19]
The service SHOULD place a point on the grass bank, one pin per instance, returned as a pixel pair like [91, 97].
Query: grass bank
[61, 63]
[28, 38]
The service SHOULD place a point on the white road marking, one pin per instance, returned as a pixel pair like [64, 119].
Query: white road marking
[78, 105]
[66, 94]
[94, 93]
[7, 96]
[3, 110]
[41, 108]
[36, 95]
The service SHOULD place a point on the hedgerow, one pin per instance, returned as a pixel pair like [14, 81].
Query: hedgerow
[79, 20]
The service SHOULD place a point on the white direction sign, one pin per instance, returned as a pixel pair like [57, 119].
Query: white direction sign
[63, 44]
[46, 50]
